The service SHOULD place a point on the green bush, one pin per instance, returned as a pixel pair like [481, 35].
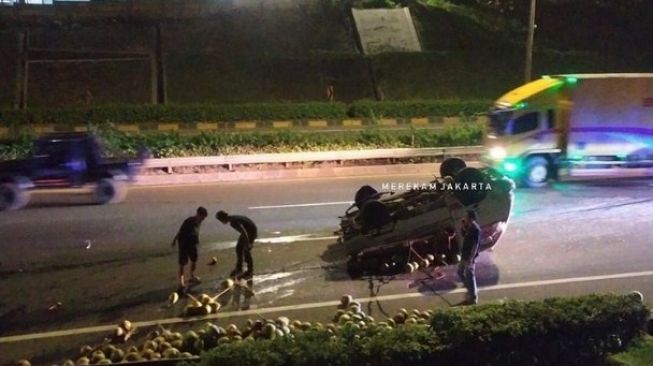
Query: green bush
[190, 113]
[164, 145]
[425, 108]
[640, 353]
[174, 113]
[558, 331]
[575, 331]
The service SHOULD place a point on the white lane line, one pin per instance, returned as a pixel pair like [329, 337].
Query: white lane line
[220, 245]
[177, 320]
[294, 238]
[302, 205]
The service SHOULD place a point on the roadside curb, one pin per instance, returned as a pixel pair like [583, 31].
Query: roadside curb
[323, 125]
[335, 172]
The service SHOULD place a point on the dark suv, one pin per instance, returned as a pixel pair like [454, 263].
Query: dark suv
[66, 160]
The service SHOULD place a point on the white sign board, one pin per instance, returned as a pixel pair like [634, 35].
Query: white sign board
[386, 30]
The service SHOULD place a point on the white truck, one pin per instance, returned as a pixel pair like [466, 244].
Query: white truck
[573, 125]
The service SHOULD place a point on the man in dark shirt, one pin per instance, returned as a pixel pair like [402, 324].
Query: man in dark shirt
[469, 252]
[188, 237]
[248, 233]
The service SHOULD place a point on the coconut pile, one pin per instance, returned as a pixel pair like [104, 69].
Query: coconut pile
[206, 304]
[163, 343]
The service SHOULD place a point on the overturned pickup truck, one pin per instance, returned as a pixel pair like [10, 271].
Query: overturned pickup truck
[66, 160]
[388, 232]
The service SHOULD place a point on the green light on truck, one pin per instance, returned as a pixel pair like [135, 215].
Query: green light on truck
[510, 167]
[571, 80]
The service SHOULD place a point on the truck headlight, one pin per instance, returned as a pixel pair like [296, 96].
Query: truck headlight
[498, 153]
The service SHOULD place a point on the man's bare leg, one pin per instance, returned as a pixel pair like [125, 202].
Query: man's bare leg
[193, 277]
[180, 275]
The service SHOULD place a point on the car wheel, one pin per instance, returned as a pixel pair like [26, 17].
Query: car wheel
[110, 191]
[12, 197]
[374, 215]
[472, 186]
[354, 267]
[364, 194]
[536, 172]
[451, 166]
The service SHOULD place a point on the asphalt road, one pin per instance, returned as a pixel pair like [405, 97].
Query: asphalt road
[571, 238]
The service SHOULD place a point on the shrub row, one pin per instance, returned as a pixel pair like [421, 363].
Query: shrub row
[131, 113]
[175, 113]
[575, 331]
[163, 145]
[371, 109]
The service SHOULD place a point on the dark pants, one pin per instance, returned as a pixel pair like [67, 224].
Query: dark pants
[468, 276]
[243, 251]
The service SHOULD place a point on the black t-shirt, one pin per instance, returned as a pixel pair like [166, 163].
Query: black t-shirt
[244, 226]
[189, 233]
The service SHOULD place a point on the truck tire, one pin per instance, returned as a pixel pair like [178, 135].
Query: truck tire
[473, 186]
[109, 190]
[536, 172]
[451, 166]
[12, 197]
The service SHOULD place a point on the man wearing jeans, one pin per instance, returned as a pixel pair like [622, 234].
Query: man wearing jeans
[469, 252]
[248, 233]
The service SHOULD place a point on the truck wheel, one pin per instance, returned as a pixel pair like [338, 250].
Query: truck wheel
[472, 186]
[451, 166]
[536, 172]
[110, 191]
[12, 197]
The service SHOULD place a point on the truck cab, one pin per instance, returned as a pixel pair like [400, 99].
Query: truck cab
[573, 125]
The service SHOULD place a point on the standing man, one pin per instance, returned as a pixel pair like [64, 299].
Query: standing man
[248, 233]
[188, 238]
[469, 252]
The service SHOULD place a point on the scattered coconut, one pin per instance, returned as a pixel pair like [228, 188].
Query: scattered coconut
[173, 298]
[55, 306]
[228, 283]
[346, 300]
[127, 325]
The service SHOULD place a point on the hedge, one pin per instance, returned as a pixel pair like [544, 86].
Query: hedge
[574, 331]
[129, 113]
[424, 108]
[640, 353]
[162, 145]
[132, 113]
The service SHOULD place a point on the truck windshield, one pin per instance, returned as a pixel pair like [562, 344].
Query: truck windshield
[499, 121]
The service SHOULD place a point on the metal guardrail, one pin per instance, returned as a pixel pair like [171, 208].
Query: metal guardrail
[318, 156]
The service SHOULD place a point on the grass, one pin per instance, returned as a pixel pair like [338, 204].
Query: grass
[640, 353]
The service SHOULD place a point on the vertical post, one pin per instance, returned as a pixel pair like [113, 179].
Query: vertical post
[375, 85]
[154, 85]
[529, 43]
[160, 67]
[20, 101]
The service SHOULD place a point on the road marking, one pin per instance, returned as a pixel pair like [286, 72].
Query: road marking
[284, 180]
[178, 320]
[302, 205]
[277, 240]
[294, 238]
